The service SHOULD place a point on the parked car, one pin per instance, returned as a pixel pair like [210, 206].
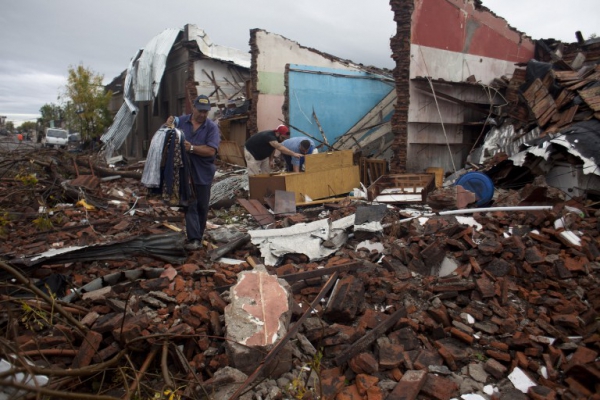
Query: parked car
[55, 137]
[74, 142]
[75, 138]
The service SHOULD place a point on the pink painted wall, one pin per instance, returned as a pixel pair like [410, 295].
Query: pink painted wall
[269, 112]
[455, 25]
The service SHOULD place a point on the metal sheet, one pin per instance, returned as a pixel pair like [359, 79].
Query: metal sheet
[217, 52]
[152, 63]
[142, 81]
[123, 122]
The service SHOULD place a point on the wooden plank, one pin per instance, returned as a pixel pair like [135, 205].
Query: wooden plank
[322, 184]
[566, 117]
[591, 97]
[565, 97]
[371, 169]
[530, 92]
[327, 161]
[370, 337]
[258, 211]
[230, 152]
[549, 106]
[541, 106]
[540, 102]
[548, 80]
[577, 85]
[540, 95]
[547, 115]
[567, 75]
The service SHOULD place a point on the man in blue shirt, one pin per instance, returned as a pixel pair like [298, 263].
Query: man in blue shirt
[202, 139]
[299, 145]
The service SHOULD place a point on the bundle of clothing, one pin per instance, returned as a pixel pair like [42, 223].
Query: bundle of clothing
[167, 170]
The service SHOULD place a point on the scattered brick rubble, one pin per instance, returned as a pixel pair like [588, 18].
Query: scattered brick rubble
[516, 318]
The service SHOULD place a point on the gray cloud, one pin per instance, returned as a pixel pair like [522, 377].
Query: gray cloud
[41, 39]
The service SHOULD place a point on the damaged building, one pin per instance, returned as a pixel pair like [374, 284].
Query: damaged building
[445, 73]
[456, 90]
[432, 295]
[335, 102]
[164, 77]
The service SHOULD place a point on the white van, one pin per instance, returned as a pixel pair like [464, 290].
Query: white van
[55, 137]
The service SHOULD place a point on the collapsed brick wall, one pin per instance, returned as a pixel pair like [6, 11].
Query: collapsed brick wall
[191, 88]
[191, 85]
[285, 108]
[252, 124]
[400, 45]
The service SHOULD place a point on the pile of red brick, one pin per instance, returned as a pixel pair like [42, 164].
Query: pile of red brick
[520, 305]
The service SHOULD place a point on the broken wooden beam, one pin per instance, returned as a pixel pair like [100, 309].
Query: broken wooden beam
[370, 337]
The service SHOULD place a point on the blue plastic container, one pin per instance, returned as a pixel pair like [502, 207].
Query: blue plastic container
[480, 184]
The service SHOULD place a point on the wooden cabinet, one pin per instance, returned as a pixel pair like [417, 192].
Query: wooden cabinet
[326, 175]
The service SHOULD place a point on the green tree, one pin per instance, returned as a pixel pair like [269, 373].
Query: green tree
[86, 102]
[28, 126]
[52, 115]
[10, 126]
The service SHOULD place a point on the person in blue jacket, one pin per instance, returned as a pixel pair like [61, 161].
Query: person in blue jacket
[299, 145]
[202, 139]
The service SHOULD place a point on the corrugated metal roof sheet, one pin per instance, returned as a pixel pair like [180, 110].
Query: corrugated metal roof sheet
[141, 84]
[118, 132]
[151, 65]
[121, 126]
[215, 51]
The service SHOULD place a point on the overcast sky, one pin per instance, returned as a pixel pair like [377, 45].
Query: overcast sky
[41, 39]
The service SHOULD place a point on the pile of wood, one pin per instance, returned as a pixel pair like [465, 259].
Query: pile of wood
[553, 95]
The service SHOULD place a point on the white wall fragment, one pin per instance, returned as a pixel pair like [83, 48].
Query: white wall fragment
[521, 380]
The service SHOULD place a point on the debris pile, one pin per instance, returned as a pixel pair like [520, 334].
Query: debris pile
[103, 300]
[550, 123]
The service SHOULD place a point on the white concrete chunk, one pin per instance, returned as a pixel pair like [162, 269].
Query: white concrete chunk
[521, 380]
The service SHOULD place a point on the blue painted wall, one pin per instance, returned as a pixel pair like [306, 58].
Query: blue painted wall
[340, 98]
